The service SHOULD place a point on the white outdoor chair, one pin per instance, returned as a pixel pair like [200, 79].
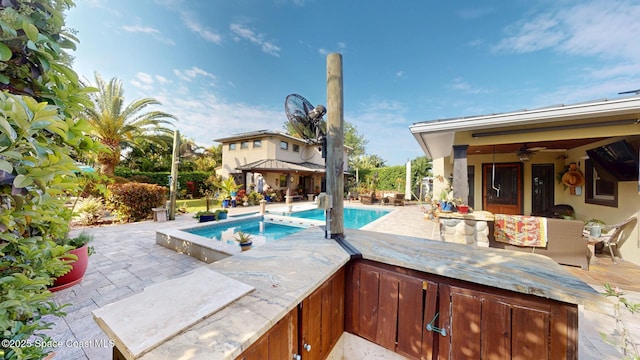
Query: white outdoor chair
[618, 235]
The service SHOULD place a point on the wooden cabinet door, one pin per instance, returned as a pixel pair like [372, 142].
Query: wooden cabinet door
[280, 342]
[390, 309]
[322, 318]
[483, 325]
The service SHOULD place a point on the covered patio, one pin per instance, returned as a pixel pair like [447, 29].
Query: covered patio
[513, 163]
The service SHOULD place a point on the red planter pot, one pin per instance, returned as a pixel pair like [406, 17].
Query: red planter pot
[78, 268]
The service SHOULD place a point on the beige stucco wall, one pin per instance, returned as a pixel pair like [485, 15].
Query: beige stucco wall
[628, 204]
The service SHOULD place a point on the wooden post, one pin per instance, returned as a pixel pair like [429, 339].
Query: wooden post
[335, 143]
[173, 186]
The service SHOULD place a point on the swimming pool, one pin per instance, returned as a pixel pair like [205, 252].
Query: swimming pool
[268, 229]
[259, 229]
[353, 218]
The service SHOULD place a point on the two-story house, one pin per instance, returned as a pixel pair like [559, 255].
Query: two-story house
[272, 159]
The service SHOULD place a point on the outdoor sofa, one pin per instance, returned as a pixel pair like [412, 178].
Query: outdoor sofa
[565, 243]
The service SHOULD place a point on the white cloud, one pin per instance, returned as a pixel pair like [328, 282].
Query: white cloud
[193, 25]
[162, 79]
[143, 81]
[155, 33]
[340, 48]
[459, 84]
[203, 116]
[244, 33]
[190, 74]
[603, 28]
[401, 74]
[145, 78]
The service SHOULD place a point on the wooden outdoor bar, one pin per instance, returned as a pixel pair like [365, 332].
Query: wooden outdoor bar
[412, 297]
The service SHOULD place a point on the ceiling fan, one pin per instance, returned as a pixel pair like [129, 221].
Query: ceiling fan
[307, 120]
[526, 153]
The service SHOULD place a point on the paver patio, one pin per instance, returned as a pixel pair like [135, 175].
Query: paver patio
[127, 260]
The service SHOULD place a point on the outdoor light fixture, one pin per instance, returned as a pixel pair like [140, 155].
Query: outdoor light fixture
[524, 155]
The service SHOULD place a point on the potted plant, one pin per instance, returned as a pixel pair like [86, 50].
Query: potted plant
[205, 215]
[447, 203]
[221, 214]
[78, 259]
[244, 240]
[229, 190]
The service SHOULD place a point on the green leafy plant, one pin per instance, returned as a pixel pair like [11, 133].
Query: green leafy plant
[78, 241]
[89, 210]
[228, 186]
[135, 201]
[40, 128]
[204, 212]
[626, 343]
[242, 237]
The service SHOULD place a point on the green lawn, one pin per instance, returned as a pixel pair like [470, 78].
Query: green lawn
[195, 205]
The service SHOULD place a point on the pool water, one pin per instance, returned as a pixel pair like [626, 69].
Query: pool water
[353, 218]
[264, 231]
[258, 229]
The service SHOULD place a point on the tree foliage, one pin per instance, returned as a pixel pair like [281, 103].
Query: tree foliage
[39, 102]
[120, 126]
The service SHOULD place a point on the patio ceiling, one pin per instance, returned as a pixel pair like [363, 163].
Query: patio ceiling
[558, 146]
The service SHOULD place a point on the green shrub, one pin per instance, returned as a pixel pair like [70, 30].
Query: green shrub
[89, 210]
[36, 157]
[40, 103]
[135, 201]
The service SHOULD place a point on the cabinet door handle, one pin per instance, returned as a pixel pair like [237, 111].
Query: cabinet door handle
[297, 357]
[431, 327]
[307, 347]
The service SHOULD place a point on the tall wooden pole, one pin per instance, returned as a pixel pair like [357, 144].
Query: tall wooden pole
[173, 185]
[335, 143]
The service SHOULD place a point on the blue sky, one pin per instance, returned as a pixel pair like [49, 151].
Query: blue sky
[225, 67]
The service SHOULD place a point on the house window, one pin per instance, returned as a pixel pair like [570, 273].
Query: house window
[296, 148]
[257, 143]
[244, 145]
[600, 189]
[232, 146]
[284, 145]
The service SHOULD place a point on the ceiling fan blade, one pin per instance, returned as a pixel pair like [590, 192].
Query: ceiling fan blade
[537, 148]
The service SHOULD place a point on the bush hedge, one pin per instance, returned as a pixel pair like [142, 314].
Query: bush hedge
[135, 201]
[162, 178]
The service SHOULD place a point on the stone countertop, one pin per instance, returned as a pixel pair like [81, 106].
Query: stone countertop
[282, 272]
[286, 271]
[510, 270]
[475, 215]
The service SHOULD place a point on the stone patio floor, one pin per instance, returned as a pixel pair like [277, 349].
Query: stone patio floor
[127, 260]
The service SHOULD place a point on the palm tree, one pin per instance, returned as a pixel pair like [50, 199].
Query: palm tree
[120, 126]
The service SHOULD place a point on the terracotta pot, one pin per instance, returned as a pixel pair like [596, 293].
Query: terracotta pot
[78, 268]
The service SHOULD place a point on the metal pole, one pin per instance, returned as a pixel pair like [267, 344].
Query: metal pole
[335, 144]
[173, 187]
